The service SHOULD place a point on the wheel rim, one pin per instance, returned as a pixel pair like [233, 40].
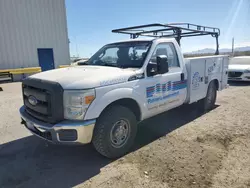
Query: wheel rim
[119, 133]
[211, 96]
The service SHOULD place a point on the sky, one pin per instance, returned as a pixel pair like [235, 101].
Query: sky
[90, 22]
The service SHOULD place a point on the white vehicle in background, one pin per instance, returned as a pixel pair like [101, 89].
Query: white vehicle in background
[79, 62]
[239, 68]
[103, 100]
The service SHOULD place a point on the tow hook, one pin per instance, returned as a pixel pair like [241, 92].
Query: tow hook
[22, 122]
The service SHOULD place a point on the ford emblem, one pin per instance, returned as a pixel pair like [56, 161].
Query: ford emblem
[32, 100]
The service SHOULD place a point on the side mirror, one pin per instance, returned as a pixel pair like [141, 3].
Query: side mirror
[152, 69]
[162, 64]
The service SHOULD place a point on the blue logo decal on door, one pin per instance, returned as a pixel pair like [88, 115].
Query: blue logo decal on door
[165, 87]
[163, 97]
[179, 85]
[160, 92]
[196, 81]
[150, 91]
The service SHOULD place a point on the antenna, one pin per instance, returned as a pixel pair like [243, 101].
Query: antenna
[233, 47]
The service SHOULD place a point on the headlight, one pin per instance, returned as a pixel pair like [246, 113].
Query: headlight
[247, 71]
[76, 103]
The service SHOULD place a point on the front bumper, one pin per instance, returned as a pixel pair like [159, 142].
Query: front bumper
[242, 77]
[65, 132]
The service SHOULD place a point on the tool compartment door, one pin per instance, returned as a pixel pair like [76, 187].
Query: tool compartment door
[214, 69]
[197, 86]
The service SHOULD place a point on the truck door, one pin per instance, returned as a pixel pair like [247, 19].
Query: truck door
[169, 90]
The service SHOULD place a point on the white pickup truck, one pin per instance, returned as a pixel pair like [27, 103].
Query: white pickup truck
[102, 100]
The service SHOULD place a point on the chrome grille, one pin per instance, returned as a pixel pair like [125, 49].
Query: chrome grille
[49, 100]
[41, 110]
[233, 74]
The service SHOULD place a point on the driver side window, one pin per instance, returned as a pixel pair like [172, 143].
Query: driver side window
[167, 49]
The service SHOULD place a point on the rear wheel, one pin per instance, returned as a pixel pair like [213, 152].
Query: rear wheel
[115, 132]
[209, 101]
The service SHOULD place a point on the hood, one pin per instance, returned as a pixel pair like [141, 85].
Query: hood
[236, 67]
[84, 77]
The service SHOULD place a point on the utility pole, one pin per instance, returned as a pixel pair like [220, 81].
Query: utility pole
[233, 47]
[77, 53]
[76, 46]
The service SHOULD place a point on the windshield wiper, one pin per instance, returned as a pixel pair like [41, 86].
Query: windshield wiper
[83, 63]
[109, 65]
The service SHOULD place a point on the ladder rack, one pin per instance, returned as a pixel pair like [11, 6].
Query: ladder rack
[175, 30]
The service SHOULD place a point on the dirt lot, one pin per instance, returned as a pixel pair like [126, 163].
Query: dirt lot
[181, 148]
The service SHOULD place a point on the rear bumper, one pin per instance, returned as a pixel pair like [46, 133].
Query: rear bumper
[65, 132]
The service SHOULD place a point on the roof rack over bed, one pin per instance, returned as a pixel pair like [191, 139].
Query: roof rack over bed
[176, 30]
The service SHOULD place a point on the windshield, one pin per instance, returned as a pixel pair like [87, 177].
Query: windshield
[123, 55]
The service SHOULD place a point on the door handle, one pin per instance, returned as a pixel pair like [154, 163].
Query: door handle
[182, 76]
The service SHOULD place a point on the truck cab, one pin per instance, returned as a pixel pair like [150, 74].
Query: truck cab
[123, 83]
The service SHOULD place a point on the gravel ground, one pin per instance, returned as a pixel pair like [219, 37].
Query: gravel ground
[181, 148]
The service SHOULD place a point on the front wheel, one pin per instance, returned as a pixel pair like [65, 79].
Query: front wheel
[115, 132]
[209, 101]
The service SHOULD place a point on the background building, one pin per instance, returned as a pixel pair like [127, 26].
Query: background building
[33, 33]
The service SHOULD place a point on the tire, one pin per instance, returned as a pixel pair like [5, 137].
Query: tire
[208, 102]
[111, 127]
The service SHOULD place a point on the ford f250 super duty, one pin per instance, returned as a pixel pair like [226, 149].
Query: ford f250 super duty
[102, 100]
